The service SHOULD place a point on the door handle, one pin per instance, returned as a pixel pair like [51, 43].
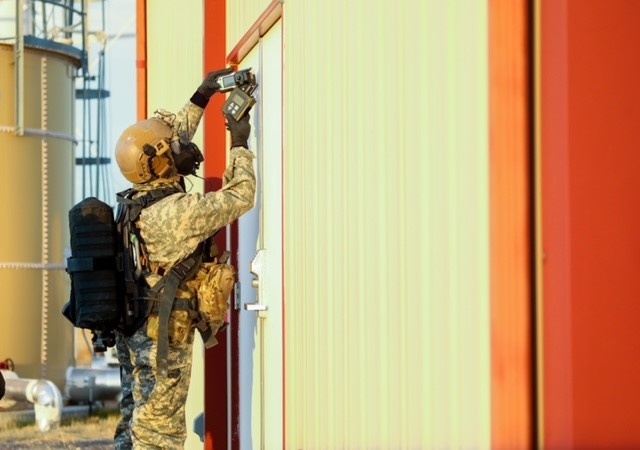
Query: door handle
[255, 307]
[257, 266]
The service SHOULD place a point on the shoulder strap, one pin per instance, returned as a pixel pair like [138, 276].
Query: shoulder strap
[136, 205]
[165, 289]
[169, 284]
[130, 205]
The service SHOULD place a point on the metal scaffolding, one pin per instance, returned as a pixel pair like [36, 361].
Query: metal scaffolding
[63, 26]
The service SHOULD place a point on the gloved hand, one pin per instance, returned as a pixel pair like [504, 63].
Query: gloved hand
[239, 130]
[209, 85]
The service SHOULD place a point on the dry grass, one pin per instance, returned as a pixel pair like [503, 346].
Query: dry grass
[95, 432]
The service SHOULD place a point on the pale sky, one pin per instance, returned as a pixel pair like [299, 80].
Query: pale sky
[119, 25]
[120, 77]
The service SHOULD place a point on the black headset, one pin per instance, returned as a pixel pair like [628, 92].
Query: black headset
[188, 158]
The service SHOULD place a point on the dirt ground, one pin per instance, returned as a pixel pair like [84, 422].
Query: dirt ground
[94, 432]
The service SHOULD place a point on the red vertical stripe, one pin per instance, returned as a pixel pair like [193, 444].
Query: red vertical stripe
[510, 196]
[216, 380]
[214, 59]
[141, 58]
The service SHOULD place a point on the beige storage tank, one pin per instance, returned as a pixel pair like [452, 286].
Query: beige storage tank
[36, 193]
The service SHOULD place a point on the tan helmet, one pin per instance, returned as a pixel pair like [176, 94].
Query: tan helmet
[143, 152]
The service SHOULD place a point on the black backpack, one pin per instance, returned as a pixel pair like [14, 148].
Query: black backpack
[96, 302]
[104, 266]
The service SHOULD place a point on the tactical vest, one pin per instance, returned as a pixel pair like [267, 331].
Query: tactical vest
[143, 299]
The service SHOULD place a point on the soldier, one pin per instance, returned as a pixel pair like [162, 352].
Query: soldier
[1, 385]
[154, 155]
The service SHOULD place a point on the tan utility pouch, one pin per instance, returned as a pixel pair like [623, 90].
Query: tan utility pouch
[178, 329]
[213, 293]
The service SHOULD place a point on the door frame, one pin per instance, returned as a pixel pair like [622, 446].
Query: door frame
[271, 15]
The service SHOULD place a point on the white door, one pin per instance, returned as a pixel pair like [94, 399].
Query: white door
[260, 376]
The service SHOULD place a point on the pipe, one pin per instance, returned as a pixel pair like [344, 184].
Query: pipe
[44, 395]
[89, 384]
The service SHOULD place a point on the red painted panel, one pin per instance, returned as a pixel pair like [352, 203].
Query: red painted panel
[511, 296]
[216, 380]
[556, 380]
[590, 116]
[141, 59]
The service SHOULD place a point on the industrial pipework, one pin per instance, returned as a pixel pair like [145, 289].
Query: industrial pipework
[92, 384]
[43, 394]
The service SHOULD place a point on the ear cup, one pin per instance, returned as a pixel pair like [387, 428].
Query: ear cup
[185, 162]
[188, 160]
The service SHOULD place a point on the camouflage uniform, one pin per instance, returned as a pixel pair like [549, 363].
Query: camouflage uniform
[153, 409]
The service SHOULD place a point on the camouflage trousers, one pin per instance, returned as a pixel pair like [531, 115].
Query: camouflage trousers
[153, 409]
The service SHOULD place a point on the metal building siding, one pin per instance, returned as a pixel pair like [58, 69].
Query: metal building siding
[241, 15]
[174, 62]
[386, 248]
[174, 53]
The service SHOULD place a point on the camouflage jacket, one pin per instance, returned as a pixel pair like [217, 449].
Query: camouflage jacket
[174, 227]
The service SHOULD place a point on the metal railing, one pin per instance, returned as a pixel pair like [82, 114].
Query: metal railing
[45, 22]
[57, 26]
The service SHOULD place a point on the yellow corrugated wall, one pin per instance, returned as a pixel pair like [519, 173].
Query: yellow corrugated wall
[174, 72]
[241, 15]
[386, 248]
[386, 243]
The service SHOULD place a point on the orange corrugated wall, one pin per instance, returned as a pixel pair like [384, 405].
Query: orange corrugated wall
[590, 116]
[511, 245]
